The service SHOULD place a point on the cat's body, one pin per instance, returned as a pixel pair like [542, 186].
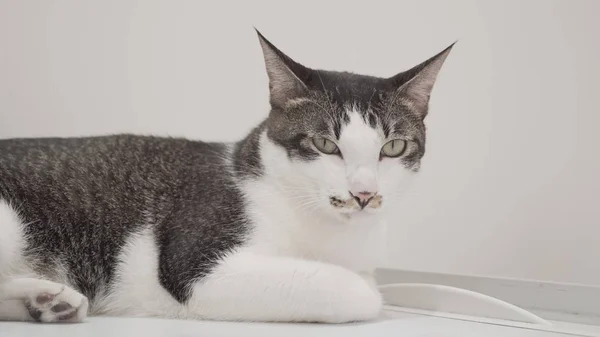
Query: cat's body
[286, 225]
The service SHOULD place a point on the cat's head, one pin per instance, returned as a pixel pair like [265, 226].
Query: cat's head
[343, 143]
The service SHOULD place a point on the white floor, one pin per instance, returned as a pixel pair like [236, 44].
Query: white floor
[393, 324]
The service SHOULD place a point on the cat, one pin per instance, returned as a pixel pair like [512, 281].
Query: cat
[286, 225]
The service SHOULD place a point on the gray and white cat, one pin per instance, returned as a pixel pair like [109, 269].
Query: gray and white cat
[287, 224]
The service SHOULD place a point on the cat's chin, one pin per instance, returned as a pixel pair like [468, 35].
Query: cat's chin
[364, 214]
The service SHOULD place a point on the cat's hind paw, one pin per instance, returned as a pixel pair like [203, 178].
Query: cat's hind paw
[61, 304]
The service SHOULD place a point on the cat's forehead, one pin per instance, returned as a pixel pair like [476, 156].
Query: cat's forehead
[350, 97]
[350, 90]
[359, 140]
[346, 109]
[383, 121]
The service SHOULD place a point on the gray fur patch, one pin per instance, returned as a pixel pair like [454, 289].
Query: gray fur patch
[81, 198]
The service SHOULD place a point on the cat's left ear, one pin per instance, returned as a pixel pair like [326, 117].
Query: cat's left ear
[416, 84]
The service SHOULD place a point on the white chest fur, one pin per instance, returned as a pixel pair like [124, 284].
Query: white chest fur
[281, 229]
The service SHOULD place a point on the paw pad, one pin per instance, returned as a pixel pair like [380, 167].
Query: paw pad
[62, 306]
[44, 298]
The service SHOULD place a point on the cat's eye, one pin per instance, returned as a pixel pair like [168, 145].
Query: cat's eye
[394, 148]
[325, 145]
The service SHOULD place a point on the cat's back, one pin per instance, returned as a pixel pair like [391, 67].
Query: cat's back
[100, 150]
[114, 156]
[92, 169]
[104, 172]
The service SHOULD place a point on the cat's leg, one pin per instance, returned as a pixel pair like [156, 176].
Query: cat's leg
[23, 298]
[251, 287]
[14, 310]
[40, 300]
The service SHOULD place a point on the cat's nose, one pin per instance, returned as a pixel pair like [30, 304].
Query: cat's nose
[363, 197]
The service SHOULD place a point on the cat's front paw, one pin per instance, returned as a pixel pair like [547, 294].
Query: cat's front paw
[354, 300]
[370, 279]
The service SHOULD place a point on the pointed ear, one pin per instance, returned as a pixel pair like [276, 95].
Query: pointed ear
[416, 84]
[285, 74]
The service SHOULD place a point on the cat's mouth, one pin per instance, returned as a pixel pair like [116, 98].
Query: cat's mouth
[354, 204]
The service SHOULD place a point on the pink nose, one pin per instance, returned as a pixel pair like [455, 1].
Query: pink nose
[363, 197]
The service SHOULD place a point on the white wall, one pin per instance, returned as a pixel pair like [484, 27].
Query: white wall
[509, 185]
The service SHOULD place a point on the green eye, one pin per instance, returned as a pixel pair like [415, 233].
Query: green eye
[394, 148]
[325, 145]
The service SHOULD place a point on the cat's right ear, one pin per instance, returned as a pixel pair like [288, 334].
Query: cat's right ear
[285, 74]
